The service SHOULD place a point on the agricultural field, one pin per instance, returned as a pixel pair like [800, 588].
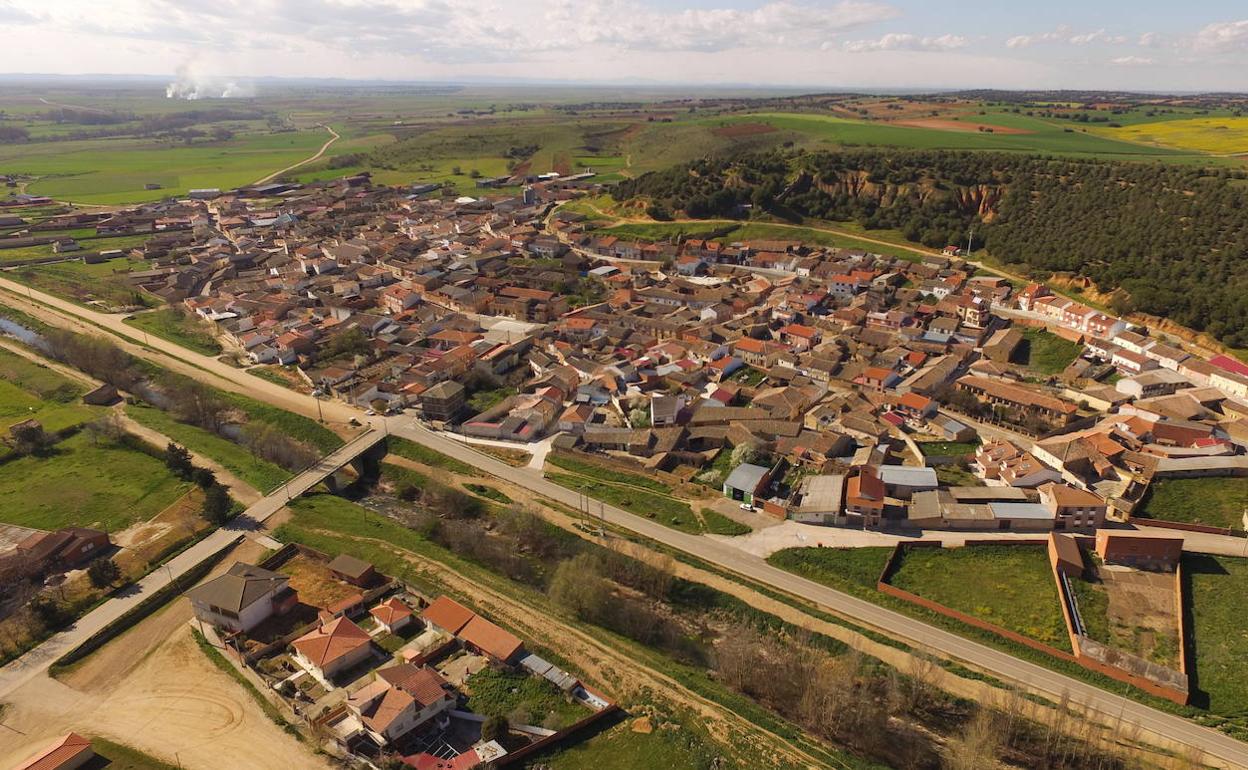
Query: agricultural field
[1011, 586]
[1213, 501]
[86, 483]
[116, 170]
[85, 237]
[1224, 135]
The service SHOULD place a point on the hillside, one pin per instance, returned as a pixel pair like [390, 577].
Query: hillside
[1165, 240]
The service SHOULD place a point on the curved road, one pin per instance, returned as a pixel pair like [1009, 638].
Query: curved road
[333, 137]
[1215, 744]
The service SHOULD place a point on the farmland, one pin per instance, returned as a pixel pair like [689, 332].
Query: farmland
[1213, 501]
[1215, 586]
[30, 391]
[79, 282]
[1219, 135]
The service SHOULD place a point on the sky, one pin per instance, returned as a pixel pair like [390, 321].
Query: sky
[1200, 45]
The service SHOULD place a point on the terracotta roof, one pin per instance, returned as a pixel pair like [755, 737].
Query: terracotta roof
[425, 685]
[331, 642]
[447, 613]
[490, 639]
[59, 754]
[391, 610]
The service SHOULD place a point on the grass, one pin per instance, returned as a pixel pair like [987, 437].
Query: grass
[106, 486]
[719, 524]
[125, 758]
[621, 748]
[1213, 501]
[527, 699]
[664, 510]
[100, 284]
[488, 399]
[237, 459]
[609, 475]
[947, 448]
[115, 170]
[1011, 586]
[488, 492]
[178, 327]
[852, 570]
[431, 457]
[296, 426]
[89, 244]
[1048, 353]
[30, 390]
[1093, 603]
[1215, 587]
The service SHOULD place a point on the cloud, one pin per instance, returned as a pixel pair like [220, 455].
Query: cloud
[895, 41]
[1065, 34]
[1132, 61]
[628, 24]
[12, 15]
[1149, 40]
[1223, 36]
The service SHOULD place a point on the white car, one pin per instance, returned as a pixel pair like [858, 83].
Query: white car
[371, 413]
[746, 507]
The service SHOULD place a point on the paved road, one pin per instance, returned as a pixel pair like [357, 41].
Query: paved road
[37, 661]
[895, 624]
[722, 554]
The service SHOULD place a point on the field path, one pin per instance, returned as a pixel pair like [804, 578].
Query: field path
[333, 137]
[73, 106]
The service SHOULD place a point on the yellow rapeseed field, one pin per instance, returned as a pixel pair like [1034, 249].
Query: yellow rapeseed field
[1217, 135]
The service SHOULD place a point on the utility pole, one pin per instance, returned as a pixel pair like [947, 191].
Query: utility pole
[969, 237]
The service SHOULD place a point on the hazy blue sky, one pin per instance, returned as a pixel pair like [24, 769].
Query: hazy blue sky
[1128, 44]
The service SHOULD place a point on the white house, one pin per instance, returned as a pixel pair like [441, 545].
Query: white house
[332, 648]
[242, 598]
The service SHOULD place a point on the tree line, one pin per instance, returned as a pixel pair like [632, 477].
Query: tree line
[1166, 240]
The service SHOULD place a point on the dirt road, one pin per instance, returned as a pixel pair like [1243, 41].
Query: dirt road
[333, 137]
[155, 690]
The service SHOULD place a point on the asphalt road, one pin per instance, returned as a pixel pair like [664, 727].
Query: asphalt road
[1055, 685]
[37, 661]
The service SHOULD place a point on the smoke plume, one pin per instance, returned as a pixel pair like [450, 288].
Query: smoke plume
[190, 83]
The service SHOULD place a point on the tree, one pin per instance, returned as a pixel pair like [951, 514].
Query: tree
[51, 613]
[178, 460]
[204, 478]
[217, 505]
[107, 428]
[639, 417]
[29, 438]
[103, 572]
[579, 587]
[494, 727]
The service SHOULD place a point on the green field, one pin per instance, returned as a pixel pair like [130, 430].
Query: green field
[423, 454]
[664, 510]
[1011, 586]
[31, 391]
[88, 244]
[1215, 586]
[179, 327]
[82, 283]
[621, 748]
[237, 459]
[103, 171]
[1047, 353]
[852, 570]
[108, 487]
[1214, 501]
[947, 448]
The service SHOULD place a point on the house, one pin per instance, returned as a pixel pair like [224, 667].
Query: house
[904, 480]
[486, 638]
[243, 598]
[443, 402]
[864, 496]
[820, 500]
[447, 615]
[1073, 508]
[67, 753]
[331, 648]
[994, 391]
[355, 571]
[1151, 553]
[64, 549]
[401, 699]
[393, 615]
[747, 481]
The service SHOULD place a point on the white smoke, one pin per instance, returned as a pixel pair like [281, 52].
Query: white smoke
[191, 83]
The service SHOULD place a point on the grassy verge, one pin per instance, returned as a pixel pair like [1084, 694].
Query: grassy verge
[177, 327]
[237, 459]
[296, 426]
[426, 456]
[719, 524]
[488, 492]
[609, 475]
[664, 510]
[947, 448]
[125, 758]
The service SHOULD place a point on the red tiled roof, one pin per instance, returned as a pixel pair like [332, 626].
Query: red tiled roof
[490, 639]
[391, 611]
[447, 613]
[331, 642]
[59, 754]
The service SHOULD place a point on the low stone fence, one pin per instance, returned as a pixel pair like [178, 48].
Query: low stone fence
[1184, 526]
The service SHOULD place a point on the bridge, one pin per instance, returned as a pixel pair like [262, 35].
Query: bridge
[38, 660]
